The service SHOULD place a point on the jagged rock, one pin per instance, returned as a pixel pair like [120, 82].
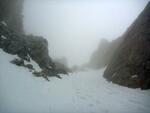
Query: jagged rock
[11, 13]
[18, 62]
[97, 59]
[61, 71]
[45, 73]
[50, 73]
[29, 66]
[40, 74]
[132, 57]
[13, 43]
[26, 47]
[38, 51]
[37, 74]
[61, 66]
[102, 55]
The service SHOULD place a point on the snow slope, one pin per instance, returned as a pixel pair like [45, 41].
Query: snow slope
[83, 92]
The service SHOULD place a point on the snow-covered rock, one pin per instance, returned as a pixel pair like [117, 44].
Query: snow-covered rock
[4, 23]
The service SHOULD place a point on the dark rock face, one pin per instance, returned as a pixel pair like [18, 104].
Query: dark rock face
[101, 57]
[13, 43]
[62, 65]
[38, 51]
[11, 18]
[11, 13]
[20, 62]
[130, 65]
[25, 47]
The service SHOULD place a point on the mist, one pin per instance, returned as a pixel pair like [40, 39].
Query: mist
[75, 28]
[74, 56]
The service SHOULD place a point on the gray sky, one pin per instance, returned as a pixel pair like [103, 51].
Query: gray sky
[75, 27]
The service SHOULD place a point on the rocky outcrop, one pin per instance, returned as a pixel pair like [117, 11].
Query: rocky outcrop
[26, 47]
[101, 57]
[11, 13]
[130, 65]
[38, 51]
[12, 42]
[62, 65]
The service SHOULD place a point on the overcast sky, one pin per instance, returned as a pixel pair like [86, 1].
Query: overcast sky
[74, 27]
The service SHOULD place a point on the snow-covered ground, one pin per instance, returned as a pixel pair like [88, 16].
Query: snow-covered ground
[83, 92]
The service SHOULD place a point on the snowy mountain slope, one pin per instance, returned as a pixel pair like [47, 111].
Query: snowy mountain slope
[83, 92]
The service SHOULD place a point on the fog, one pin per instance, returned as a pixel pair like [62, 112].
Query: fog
[74, 28]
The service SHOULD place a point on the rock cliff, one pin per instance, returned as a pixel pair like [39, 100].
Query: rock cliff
[130, 64]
